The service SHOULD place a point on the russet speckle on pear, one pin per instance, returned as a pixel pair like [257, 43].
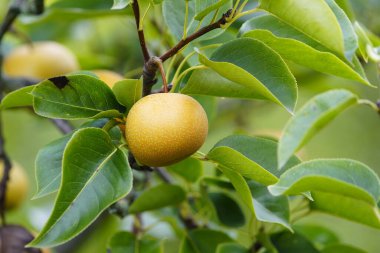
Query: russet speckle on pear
[165, 128]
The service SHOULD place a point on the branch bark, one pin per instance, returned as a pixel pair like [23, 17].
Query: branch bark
[151, 66]
[218, 24]
[136, 11]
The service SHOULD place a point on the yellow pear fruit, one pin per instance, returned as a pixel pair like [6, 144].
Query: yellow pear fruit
[165, 128]
[107, 76]
[17, 186]
[41, 60]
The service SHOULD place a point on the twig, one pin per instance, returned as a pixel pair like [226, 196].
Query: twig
[10, 17]
[7, 169]
[63, 125]
[136, 11]
[218, 24]
[151, 66]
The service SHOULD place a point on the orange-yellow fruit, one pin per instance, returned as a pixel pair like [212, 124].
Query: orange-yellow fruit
[107, 76]
[165, 128]
[40, 61]
[17, 186]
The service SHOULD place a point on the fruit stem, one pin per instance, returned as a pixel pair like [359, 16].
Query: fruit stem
[160, 65]
[110, 124]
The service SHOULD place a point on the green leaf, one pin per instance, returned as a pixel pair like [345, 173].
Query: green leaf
[286, 242]
[228, 211]
[252, 157]
[342, 206]
[174, 16]
[305, 55]
[18, 98]
[95, 175]
[205, 7]
[221, 183]
[49, 167]
[312, 117]
[128, 91]
[75, 97]
[363, 40]
[319, 235]
[158, 197]
[251, 63]
[123, 242]
[341, 248]
[317, 20]
[340, 176]
[269, 208]
[349, 37]
[231, 248]
[240, 186]
[120, 4]
[72, 10]
[203, 241]
[49, 160]
[189, 169]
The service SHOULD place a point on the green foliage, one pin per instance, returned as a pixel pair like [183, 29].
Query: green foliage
[203, 241]
[250, 63]
[314, 115]
[75, 97]
[123, 92]
[157, 197]
[88, 187]
[127, 242]
[18, 98]
[228, 211]
[238, 197]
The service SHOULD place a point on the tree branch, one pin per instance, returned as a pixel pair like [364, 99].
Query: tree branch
[63, 125]
[136, 11]
[6, 172]
[218, 24]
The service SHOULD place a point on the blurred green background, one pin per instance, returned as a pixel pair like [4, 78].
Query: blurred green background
[109, 41]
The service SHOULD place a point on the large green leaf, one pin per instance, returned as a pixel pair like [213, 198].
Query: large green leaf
[350, 39]
[203, 241]
[251, 63]
[128, 91]
[240, 185]
[252, 157]
[49, 166]
[269, 208]
[313, 18]
[313, 116]
[340, 176]
[319, 235]
[227, 210]
[95, 175]
[75, 97]
[208, 82]
[346, 207]
[157, 197]
[286, 242]
[123, 242]
[303, 54]
[189, 169]
[49, 160]
[18, 98]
